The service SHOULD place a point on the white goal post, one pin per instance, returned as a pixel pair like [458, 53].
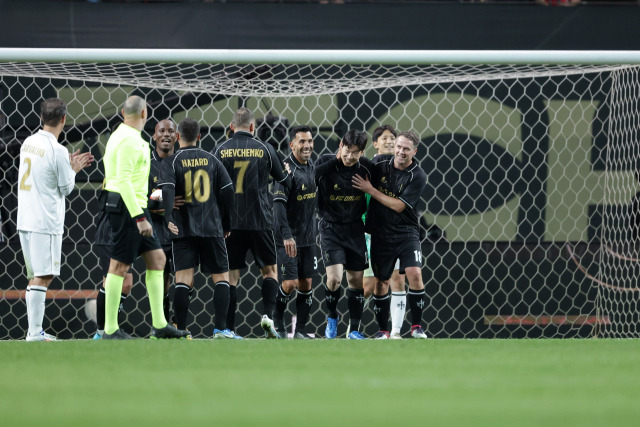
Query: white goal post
[530, 212]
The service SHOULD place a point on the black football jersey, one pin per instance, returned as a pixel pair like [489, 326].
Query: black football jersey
[406, 185]
[157, 220]
[300, 202]
[199, 177]
[249, 163]
[338, 201]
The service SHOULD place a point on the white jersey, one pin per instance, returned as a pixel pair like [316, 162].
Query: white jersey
[45, 178]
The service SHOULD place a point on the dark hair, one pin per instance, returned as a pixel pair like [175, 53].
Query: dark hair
[242, 118]
[355, 137]
[411, 136]
[380, 130]
[273, 130]
[52, 110]
[189, 130]
[296, 129]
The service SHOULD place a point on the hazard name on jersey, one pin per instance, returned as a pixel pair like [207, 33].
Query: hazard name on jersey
[192, 163]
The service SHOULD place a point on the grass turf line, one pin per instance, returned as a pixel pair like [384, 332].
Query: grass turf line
[287, 383]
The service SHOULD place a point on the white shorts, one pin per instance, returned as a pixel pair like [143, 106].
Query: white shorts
[369, 272]
[42, 253]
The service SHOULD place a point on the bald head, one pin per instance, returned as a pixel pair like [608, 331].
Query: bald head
[134, 111]
[134, 105]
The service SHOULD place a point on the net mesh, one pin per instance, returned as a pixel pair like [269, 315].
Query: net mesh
[529, 215]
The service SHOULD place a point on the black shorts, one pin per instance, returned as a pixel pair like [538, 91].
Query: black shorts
[210, 253]
[260, 242]
[385, 252]
[126, 241]
[303, 266]
[344, 244]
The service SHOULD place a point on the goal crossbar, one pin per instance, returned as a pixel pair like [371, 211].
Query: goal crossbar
[281, 56]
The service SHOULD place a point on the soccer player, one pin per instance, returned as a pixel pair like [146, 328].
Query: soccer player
[165, 140]
[199, 227]
[340, 208]
[47, 174]
[249, 163]
[395, 187]
[384, 138]
[127, 162]
[295, 211]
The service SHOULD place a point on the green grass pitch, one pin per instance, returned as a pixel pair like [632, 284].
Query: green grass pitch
[321, 382]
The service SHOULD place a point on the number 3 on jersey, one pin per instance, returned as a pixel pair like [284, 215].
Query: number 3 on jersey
[242, 165]
[198, 187]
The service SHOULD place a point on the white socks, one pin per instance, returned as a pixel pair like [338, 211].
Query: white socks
[398, 310]
[35, 297]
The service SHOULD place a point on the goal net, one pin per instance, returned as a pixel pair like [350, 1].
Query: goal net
[530, 215]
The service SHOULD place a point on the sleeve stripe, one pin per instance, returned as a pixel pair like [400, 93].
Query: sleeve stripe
[226, 186]
[405, 202]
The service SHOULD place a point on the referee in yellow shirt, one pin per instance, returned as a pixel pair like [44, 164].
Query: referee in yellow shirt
[127, 161]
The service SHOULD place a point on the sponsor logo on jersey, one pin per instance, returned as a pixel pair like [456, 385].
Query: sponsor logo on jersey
[306, 196]
[335, 198]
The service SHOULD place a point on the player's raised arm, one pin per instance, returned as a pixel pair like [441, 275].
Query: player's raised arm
[278, 170]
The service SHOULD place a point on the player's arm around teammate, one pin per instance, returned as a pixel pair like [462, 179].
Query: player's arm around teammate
[340, 208]
[399, 183]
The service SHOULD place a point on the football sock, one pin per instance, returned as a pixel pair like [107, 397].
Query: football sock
[100, 306]
[282, 299]
[37, 296]
[166, 306]
[269, 292]
[381, 310]
[155, 288]
[28, 304]
[355, 303]
[331, 301]
[416, 304]
[304, 301]
[112, 288]
[181, 299]
[233, 305]
[398, 310]
[221, 304]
